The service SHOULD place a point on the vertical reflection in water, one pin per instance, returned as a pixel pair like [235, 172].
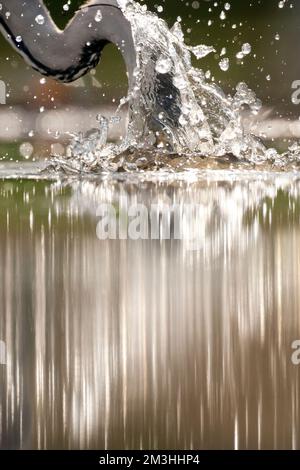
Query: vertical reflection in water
[127, 344]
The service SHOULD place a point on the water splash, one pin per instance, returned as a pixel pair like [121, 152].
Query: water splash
[173, 109]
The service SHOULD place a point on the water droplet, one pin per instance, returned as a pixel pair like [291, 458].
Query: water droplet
[163, 65]
[246, 48]
[39, 19]
[98, 16]
[202, 51]
[224, 64]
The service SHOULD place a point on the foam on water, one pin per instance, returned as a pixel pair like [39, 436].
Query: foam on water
[173, 110]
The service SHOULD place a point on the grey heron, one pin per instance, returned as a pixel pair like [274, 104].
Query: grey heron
[68, 54]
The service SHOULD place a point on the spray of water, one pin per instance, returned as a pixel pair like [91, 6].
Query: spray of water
[173, 109]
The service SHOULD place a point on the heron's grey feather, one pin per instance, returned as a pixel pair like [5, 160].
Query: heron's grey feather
[66, 55]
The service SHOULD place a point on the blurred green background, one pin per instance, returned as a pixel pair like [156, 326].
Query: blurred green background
[270, 69]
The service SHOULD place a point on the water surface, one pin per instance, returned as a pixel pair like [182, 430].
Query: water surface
[150, 344]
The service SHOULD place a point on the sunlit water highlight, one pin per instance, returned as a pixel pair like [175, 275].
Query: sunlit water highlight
[150, 344]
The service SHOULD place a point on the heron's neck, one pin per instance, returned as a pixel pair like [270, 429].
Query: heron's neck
[67, 55]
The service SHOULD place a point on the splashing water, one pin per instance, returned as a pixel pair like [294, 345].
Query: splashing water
[173, 109]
